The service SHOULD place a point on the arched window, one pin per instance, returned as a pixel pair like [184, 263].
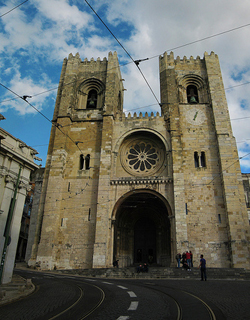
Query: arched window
[200, 160]
[203, 159]
[87, 162]
[84, 162]
[81, 162]
[192, 89]
[196, 160]
[92, 99]
[192, 94]
[91, 94]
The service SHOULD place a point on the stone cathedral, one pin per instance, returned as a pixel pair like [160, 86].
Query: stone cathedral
[141, 188]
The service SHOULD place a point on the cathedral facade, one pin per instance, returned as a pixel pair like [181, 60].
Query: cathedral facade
[141, 188]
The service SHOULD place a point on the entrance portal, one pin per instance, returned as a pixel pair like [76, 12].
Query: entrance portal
[145, 241]
[142, 230]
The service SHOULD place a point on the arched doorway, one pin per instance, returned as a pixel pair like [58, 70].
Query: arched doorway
[145, 241]
[142, 229]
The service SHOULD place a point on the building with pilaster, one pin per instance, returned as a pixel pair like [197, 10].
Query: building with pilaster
[141, 187]
[16, 165]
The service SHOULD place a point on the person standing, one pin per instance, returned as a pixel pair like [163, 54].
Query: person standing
[178, 258]
[188, 257]
[116, 263]
[203, 268]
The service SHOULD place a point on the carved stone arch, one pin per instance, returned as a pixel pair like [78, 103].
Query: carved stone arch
[196, 83]
[142, 153]
[151, 212]
[88, 86]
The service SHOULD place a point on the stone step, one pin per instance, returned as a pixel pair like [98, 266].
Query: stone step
[162, 273]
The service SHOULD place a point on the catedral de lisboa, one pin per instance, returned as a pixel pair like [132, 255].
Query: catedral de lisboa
[141, 187]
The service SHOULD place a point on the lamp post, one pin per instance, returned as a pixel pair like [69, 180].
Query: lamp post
[8, 224]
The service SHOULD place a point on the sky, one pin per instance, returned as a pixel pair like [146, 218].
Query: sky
[39, 34]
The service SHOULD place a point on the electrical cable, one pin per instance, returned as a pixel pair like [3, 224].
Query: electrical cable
[67, 84]
[237, 85]
[57, 125]
[109, 30]
[219, 174]
[135, 61]
[203, 39]
[141, 74]
[13, 8]
[23, 98]
[196, 41]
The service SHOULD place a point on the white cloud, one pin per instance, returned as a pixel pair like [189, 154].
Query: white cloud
[27, 86]
[44, 32]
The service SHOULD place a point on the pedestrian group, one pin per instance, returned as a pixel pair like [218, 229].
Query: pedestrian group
[186, 259]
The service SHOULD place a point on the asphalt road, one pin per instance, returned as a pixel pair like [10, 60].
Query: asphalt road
[75, 298]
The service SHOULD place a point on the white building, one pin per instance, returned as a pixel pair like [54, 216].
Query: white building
[16, 164]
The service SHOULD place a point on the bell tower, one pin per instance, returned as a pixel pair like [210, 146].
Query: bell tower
[89, 99]
[210, 211]
[143, 187]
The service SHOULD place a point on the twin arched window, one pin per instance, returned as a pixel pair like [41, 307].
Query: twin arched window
[84, 162]
[199, 160]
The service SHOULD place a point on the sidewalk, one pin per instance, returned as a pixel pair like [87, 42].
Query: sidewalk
[16, 289]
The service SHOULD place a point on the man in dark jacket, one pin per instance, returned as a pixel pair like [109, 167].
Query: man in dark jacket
[203, 268]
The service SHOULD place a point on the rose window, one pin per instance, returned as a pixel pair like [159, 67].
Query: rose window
[142, 156]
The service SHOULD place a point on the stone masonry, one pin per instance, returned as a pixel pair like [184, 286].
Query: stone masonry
[140, 188]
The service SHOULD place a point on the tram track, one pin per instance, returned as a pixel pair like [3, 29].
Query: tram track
[80, 299]
[180, 313]
[77, 305]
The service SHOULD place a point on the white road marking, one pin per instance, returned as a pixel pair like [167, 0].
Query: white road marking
[107, 282]
[132, 294]
[123, 318]
[133, 305]
[122, 287]
[90, 279]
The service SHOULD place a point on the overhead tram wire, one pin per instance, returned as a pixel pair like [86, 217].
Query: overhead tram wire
[219, 174]
[69, 83]
[69, 125]
[57, 125]
[203, 39]
[25, 101]
[13, 8]
[65, 84]
[156, 56]
[136, 62]
[65, 126]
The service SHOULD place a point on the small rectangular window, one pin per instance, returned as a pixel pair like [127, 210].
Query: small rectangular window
[219, 218]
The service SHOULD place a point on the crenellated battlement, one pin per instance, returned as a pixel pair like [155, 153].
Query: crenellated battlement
[76, 57]
[169, 59]
[152, 115]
